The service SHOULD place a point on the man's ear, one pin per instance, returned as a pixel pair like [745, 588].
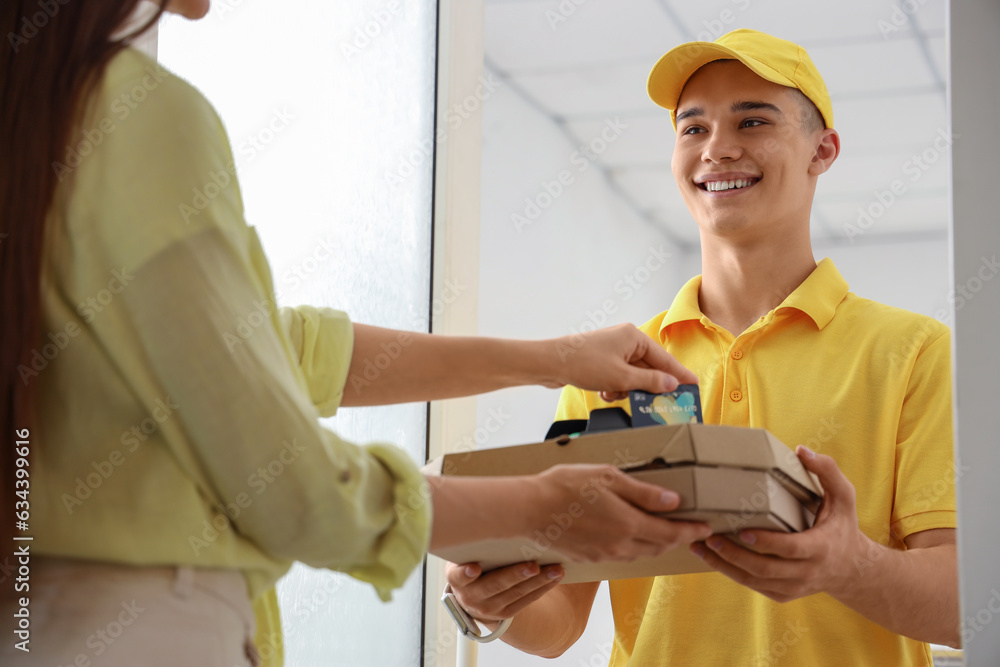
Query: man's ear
[827, 150]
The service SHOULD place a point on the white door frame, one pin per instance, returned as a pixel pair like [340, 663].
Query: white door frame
[455, 269]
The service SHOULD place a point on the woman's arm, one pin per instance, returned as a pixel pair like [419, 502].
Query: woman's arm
[389, 366]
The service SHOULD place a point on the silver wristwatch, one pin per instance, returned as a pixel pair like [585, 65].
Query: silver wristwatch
[467, 625]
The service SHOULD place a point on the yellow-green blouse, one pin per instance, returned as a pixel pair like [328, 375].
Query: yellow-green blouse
[178, 407]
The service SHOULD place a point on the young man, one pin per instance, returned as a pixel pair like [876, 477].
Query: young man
[778, 342]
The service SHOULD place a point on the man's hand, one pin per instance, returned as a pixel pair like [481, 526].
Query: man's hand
[787, 566]
[615, 360]
[503, 593]
[912, 592]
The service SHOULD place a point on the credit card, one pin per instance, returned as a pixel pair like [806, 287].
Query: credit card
[680, 406]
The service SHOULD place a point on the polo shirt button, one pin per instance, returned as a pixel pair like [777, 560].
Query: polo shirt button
[736, 395]
[737, 354]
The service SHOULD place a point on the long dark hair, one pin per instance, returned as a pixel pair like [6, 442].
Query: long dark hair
[54, 54]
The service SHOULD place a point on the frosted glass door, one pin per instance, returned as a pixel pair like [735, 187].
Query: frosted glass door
[329, 107]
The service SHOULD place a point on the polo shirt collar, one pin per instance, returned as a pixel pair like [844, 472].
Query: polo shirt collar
[685, 305]
[818, 297]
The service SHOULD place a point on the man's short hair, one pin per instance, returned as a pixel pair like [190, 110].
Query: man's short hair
[811, 120]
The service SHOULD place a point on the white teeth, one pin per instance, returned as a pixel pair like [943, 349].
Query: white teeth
[718, 186]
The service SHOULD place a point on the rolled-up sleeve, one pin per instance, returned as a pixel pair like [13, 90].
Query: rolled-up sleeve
[247, 425]
[322, 339]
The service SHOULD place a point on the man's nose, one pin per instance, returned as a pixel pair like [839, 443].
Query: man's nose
[721, 145]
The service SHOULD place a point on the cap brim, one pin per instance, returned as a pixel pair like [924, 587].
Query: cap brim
[671, 72]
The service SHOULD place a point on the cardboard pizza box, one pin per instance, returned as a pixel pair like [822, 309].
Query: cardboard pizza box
[729, 477]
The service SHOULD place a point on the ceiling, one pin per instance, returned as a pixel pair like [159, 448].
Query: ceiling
[582, 62]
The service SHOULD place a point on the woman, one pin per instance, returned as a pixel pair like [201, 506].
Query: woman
[167, 410]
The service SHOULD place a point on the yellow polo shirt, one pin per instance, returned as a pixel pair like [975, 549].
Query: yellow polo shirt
[178, 406]
[865, 383]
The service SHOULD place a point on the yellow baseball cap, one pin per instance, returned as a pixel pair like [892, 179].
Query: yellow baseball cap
[773, 59]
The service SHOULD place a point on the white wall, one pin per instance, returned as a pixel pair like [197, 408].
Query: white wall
[975, 202]
[558, 273]
[914, 275]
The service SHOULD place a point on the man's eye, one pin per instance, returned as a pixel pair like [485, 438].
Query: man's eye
[694, 129]
[752, 122]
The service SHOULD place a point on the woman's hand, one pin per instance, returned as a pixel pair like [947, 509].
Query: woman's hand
[586, 512]
[593, 512]
[389, 366]
[615, 360]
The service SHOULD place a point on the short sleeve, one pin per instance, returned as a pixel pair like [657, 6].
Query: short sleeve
[924, 496]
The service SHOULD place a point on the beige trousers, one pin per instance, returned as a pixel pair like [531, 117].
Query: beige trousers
[104, 615]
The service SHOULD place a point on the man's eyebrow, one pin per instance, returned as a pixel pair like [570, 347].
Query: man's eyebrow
[736, 107]
[690, 113]
[753, 106]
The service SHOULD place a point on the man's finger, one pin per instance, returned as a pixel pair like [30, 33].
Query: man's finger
[790, 546]
[462, 575]
[510, 600]
[837, 488]
[517, 607]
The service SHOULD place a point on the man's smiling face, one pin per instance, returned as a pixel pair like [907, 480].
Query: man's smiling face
[743, 161]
